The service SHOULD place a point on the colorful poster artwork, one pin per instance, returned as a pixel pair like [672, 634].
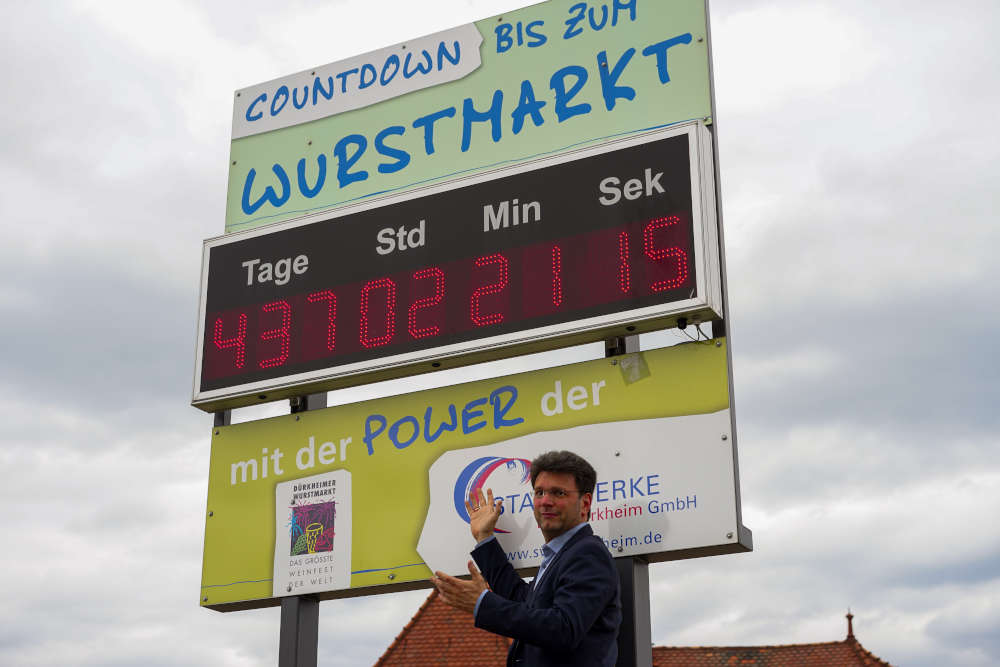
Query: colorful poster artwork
[312, 546]
[311, 528]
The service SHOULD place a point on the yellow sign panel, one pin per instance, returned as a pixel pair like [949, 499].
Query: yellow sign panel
[337, 500]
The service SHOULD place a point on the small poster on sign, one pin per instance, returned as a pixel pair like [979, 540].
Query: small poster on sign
[312, 544]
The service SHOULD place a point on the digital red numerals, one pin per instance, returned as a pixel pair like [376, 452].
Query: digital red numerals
[437, 275]
[557, 282]
[479, 318]
[331, 315]
[367, 340]
[585, 272]
[237, 342]
[280, 333]
[659, 254]
[624, 265]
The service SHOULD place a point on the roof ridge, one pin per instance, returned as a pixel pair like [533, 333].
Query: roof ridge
[749, 646]
[398, 641]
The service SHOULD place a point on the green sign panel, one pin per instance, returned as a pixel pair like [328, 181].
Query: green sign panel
[540, 80]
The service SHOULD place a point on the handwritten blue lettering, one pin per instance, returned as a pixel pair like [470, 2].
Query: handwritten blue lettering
[470, 116]
[357, 78]
[427, 122]
[269, 194]
[319, 90]
[444, 55]
[468, 414]
[251, 116]
[660, 51]
[392, 149]
[419, 68]
[281, 94]
[391, 60]
[527, 105]
[402, 157]
[394, 432]
[609, 79]
[370, 435]
[563, 96]
[304, 188]
[500, 411]
[432, 435]
[343, 76]
[345, 162]
[368, 76]
[295, 97]
[405, 431]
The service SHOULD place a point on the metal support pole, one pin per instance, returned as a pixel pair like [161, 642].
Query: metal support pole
[635, 647]
[298, 639]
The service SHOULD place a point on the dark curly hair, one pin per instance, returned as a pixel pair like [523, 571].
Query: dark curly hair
[566, 462]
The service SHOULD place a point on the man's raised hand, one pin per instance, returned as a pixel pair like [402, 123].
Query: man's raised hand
[483, 513]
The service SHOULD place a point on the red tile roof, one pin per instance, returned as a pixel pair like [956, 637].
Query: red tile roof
[847, 653]
[442, 636]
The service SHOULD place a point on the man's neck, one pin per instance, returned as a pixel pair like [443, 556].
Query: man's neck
[549, 537]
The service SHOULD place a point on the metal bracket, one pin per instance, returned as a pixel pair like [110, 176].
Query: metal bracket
[619, 345]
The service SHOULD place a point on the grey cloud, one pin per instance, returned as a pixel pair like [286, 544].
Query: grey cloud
[109, 339]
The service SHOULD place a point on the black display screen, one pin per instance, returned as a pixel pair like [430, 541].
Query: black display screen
[596, 236]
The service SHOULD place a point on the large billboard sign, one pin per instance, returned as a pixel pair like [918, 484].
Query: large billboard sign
[602, 241]
[367, 498]
[530, 83]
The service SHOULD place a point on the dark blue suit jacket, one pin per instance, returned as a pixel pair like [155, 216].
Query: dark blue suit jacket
[573, 617]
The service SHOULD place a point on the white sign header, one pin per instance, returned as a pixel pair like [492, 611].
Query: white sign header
[357, 82]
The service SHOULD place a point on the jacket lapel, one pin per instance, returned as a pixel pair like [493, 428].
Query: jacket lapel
[550, 570]
[516, 648]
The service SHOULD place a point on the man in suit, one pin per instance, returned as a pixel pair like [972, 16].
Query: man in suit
[570, 613]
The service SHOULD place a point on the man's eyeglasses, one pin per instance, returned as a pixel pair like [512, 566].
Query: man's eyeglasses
[554, 494]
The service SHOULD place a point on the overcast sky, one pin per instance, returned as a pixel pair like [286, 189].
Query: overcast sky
[859, 160]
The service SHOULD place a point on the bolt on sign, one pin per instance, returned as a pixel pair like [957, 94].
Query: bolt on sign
[311, 503]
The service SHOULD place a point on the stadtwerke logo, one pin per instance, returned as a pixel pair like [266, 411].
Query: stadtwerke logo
[497, 473]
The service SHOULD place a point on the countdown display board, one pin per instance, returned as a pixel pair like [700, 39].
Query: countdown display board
[605, 241]
[368, 497]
